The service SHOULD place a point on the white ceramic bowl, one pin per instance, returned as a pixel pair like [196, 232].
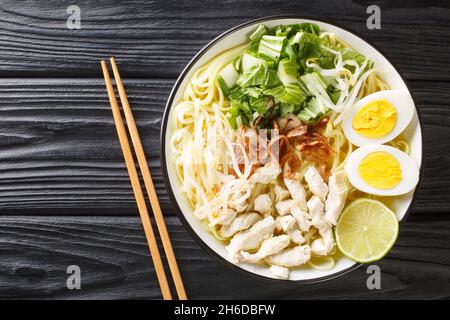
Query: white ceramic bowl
[239, 35]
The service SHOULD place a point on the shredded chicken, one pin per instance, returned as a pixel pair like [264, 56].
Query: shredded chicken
[285, 223]
[297, 191]
[263, 204]
[325, 244]
[281, 193]
[242, 222]
[315, 183]
[338, 190]
[266, 174]
[302, 217]
[269, 247]
[225, 217]
[250, 239]
[284, 207]
[315, 207]
[279, 272]
[291, 257]
[239, 206]
[296, 236]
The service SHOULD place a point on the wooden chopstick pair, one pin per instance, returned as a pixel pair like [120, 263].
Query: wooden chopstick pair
[140, 200]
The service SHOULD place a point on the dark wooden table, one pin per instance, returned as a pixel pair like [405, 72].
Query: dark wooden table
[65, 197]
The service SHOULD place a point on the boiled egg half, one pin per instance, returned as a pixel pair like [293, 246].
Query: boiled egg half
[382, 170]
[378, 117]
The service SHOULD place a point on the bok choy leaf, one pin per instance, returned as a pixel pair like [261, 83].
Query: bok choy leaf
[258, 75]
[271, 47]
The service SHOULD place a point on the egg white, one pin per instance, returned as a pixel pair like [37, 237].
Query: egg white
[410, 171]
[403, 104]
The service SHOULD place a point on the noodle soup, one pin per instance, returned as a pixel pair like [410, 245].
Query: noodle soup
[259, 150]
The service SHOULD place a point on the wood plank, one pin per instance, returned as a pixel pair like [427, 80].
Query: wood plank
[112, 254]
[60, 133]
[157, 39]
[59, 151]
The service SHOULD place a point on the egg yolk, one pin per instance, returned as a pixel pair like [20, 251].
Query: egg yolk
[380, 170]
[375, 120]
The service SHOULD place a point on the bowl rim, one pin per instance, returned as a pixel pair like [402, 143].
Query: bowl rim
[163, 159]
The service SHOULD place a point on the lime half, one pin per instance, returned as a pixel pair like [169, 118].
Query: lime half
[366, 230]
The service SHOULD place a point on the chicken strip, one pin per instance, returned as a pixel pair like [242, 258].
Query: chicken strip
[279, 272]
[302, 217]
[224, 217]
[239, 206]
[285, 223]
[242, 222]
[266, 174]
[315, 207]
[239, 190]
[269, 247]
[291, 257]
[263, 204]
[281, 193]
[338, 190]
[325, 244]
[250, 239]
[316, 184]
[296, 236]
[284, 207]
[297, 191]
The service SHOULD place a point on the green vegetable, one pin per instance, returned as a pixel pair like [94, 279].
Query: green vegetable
[259, 32]
[333, 93]
[258, 104]
[294, 94]
[313, 111]
[286, 108]
[290, 30]
[249, 60]
[276, 92]
[291, 94]
[236, 93]
[271, 46]
[349, 54]
[237, 63]
[310, 28]
[310, 46]
[227, 77]
[316, 86]
[254, 92]
[287, 71]
[290, 52]
[258, 75]
[296, 38]
[239, 109]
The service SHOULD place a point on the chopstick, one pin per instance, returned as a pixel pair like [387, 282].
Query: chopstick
[143, 165]
[136, 186]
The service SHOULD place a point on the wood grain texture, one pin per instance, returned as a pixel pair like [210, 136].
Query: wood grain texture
[115, 264]
[59, 152]
[158, 38]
